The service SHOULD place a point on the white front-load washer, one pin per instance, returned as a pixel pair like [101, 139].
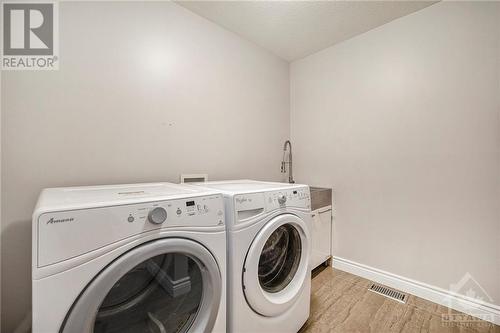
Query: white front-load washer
[269, 246]
[129, 258]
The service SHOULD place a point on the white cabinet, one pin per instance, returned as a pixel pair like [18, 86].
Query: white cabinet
[321, 236]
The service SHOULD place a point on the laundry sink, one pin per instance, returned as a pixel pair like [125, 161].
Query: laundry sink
[320, 197]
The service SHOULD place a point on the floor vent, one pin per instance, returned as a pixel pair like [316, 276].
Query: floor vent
[389, 293]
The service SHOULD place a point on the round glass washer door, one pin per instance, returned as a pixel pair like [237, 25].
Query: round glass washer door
[164, 286]
[276, 265]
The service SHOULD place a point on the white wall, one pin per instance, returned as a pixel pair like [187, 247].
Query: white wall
[145, 91]
[404, 123]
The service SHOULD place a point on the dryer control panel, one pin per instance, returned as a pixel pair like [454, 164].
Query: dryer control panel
[67, 234]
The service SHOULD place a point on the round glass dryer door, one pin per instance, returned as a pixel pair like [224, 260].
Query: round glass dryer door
[166, 286]
[277, 265]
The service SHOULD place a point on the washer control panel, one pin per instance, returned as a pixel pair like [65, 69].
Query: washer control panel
[250, 205]
[67, 234]
[299, 197]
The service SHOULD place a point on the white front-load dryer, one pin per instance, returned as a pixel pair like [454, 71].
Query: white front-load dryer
[129, 258]
[269, 248]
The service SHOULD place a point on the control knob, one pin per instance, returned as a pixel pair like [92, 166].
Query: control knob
[282, 199]
[157, 215]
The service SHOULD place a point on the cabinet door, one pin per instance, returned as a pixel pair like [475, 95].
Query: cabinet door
[321, 236]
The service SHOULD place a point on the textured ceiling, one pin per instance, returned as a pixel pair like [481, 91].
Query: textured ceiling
[295, 29]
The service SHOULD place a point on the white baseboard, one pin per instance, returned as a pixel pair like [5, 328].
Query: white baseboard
[477, 308]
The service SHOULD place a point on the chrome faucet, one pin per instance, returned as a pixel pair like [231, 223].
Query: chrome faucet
[284, 162]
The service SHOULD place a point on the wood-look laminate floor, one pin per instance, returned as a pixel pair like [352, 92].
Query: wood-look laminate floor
[341, 302]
